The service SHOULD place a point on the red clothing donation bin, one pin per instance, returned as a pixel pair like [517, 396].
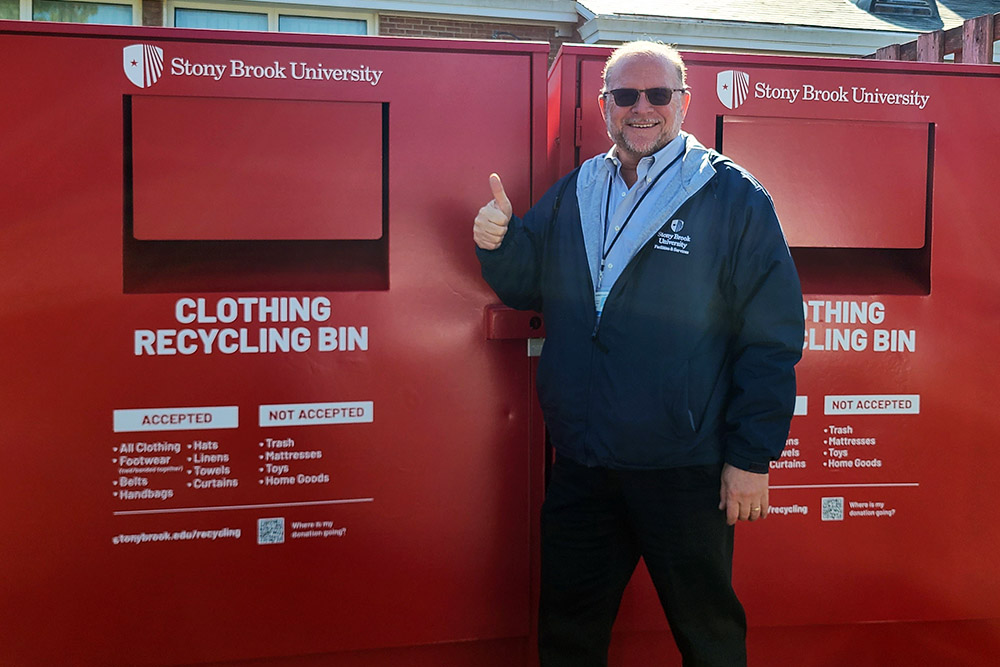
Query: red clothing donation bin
[255, 403]
[880, 545]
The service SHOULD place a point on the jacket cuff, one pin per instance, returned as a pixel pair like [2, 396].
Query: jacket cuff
[749, 465]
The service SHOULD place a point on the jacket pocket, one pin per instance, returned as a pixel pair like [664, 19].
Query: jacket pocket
[653, 423]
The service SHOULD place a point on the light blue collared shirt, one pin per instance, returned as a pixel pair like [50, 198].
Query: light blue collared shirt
[628, 207]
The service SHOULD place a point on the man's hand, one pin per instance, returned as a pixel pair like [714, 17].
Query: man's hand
[490, 225]
[744, 494]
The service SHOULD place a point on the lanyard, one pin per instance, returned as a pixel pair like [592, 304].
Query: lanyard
[607, 214]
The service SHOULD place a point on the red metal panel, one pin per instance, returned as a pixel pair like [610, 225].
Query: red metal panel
[973, 642]
[287, 169]
[553, 120]
[852, 184]
[593, 129]
[407, 530]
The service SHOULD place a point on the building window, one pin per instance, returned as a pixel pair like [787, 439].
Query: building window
[218, 20]
[319, 24]
[899, 7]
[81, 12]
[267, 17]
[10, 9]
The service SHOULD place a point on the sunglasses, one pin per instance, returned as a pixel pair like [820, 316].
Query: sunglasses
[658, 97]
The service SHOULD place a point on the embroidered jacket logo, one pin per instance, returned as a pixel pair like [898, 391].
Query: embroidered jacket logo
[673, 242]
[732, 86]
[676, 225]
[143, 64]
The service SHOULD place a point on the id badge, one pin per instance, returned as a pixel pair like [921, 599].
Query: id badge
[600, 297]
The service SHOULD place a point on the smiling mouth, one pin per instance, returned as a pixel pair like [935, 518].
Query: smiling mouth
[643, 124]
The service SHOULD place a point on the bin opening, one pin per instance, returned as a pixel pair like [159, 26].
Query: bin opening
[279, 194]
[853, 197]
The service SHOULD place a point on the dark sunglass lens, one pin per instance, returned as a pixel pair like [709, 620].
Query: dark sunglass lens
[625, 97]
[658, 96]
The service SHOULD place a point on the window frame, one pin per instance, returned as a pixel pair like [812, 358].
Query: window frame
[272, 11]
[27, 10]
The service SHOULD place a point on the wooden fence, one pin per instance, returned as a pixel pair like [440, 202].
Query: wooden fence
[971, 42]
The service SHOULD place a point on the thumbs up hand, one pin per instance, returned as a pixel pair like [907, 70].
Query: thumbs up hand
[490, 224]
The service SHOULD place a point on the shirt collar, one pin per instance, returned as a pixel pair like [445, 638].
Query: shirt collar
[649, 166]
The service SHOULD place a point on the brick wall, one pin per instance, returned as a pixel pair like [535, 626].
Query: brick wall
[425, 26]
[152, 12]
[429, 26]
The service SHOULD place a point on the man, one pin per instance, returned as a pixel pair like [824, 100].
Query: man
[674, 320]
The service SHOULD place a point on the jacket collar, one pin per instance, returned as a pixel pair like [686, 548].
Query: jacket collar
[591, 189]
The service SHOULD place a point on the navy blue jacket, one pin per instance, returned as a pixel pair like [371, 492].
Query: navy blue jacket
[693, 360]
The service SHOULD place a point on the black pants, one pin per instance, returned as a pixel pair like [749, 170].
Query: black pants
[597, 522]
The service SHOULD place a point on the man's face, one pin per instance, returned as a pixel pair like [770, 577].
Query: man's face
[642, 129]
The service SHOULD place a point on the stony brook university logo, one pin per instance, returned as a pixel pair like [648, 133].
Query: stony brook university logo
[143, 64]
[732, 87]
[676, 225]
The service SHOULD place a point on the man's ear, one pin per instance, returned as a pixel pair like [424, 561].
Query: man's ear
[684, 104]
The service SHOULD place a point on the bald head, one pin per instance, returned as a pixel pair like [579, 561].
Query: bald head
[643, 49]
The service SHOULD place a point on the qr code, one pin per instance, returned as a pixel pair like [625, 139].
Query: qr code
[271, 531]
[833, 509]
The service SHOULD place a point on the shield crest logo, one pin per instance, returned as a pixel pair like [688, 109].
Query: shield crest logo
[143, 64]
[676, 225]
[732, 87]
